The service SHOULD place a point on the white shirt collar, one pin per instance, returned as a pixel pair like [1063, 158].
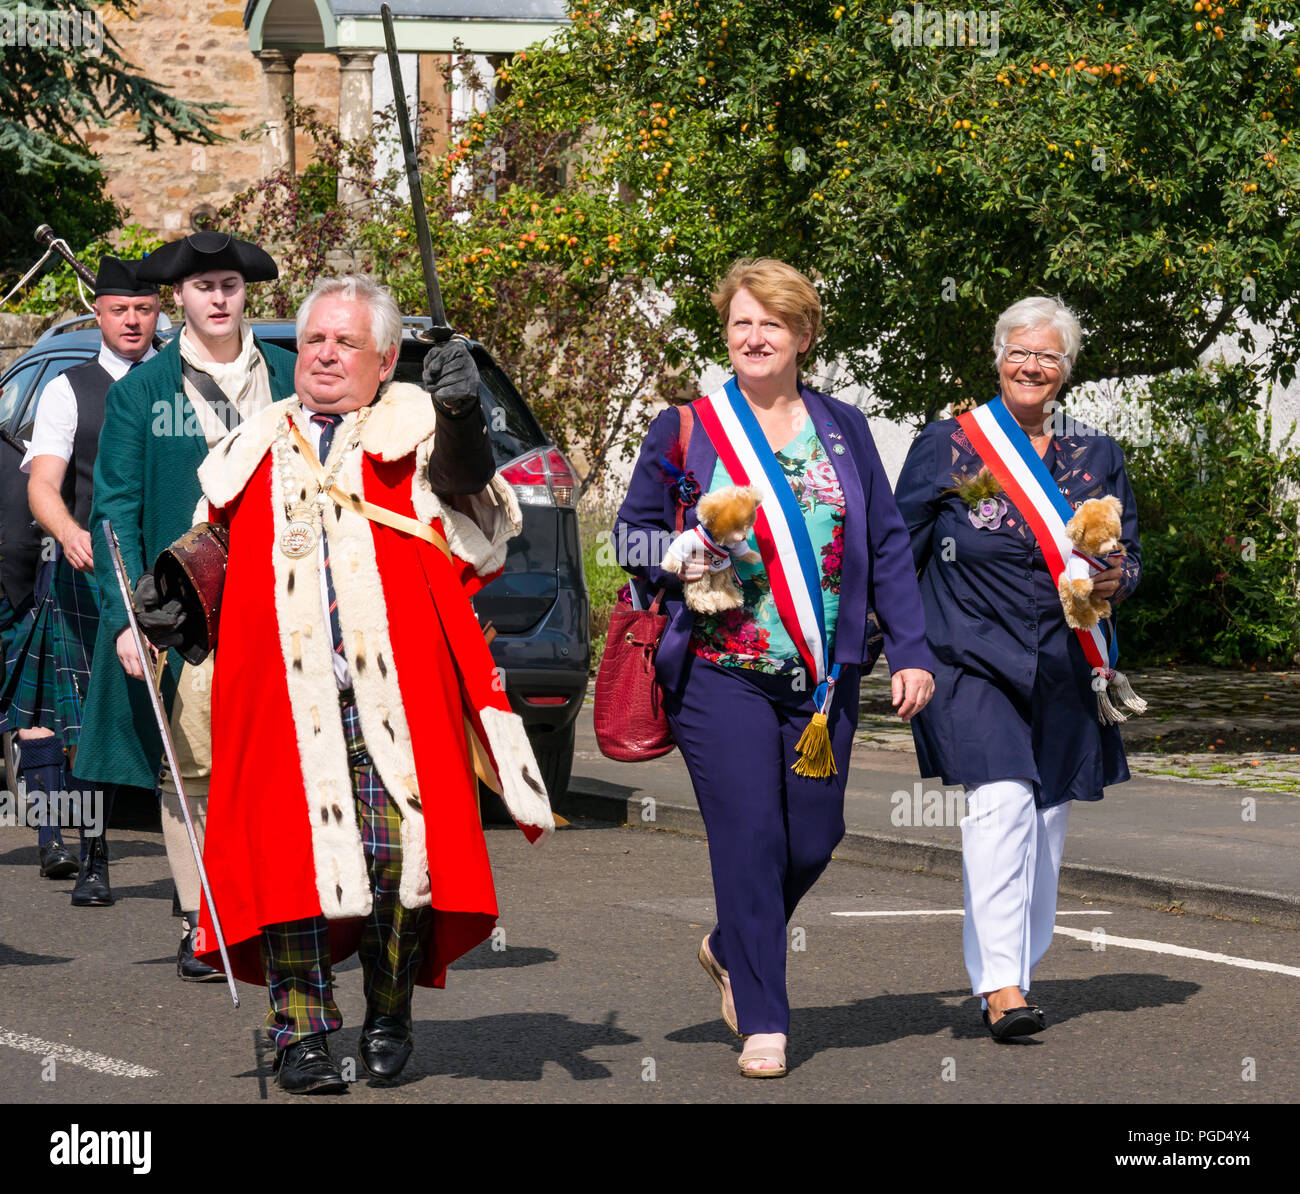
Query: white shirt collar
[117, 367]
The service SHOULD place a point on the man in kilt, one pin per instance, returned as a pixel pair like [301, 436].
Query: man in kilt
[52, 648]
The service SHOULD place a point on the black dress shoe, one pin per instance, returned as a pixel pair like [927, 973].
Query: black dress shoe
[190, 968]
[306, 1067]
[386, 1045]
[92, 889]
[1018, 1021]
[56, 862]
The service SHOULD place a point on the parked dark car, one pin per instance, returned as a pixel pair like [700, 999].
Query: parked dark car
[539, 605]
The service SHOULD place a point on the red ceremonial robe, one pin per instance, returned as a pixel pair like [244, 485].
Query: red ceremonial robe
[281, 841]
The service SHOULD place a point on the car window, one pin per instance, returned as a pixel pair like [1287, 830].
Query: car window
[55, 367]
[14, 393]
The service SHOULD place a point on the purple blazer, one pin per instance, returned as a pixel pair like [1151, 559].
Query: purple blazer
[878, 582]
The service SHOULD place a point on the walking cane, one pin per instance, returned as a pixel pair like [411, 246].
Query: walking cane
[153, 684]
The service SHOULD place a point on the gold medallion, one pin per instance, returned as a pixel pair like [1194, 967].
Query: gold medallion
[298, 538]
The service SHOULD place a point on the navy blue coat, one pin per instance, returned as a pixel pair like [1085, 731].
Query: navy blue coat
[877, 578]
[1013, 697]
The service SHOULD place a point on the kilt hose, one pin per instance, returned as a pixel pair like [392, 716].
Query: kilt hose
[48, 664]
[296, 954]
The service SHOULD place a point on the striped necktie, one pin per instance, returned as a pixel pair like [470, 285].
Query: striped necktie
[327, 425]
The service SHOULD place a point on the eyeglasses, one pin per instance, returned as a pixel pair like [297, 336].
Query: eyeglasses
[1050, 361]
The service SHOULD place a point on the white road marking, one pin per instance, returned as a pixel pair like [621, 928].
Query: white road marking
[98, 1062]
[1160, 947]
[951, 912]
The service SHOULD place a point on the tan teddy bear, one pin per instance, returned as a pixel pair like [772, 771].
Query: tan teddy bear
[726, 518]
[1094, 530]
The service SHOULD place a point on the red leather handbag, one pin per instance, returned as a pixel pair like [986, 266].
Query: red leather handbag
[629, 716]
[629, 713]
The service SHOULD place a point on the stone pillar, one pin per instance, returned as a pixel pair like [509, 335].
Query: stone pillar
[277, 84]
[356, 107]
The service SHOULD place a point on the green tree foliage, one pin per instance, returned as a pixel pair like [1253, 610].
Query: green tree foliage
[73, 202]
[1218, 513]
[66, 79]
[1137, 158]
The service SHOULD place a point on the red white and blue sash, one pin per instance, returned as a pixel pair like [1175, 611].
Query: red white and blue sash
[1010, 457]
[792, 565]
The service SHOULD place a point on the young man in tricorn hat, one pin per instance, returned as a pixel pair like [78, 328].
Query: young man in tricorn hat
[50, 677]
[159, 425]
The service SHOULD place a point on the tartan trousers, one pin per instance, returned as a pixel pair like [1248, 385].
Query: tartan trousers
[296, 955]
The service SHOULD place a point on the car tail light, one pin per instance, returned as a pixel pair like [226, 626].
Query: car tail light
[543, 478]
[545, 700]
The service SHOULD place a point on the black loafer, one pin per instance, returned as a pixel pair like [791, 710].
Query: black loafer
[1019, 1021]
[92, 889]
[386, 1045]
[306, 1067]
[56, 862]
[190, 968]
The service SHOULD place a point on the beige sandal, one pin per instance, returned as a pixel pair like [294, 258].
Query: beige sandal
[719, 976]
[768, 1054]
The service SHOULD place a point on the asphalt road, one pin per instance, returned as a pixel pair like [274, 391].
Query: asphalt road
[596, 996]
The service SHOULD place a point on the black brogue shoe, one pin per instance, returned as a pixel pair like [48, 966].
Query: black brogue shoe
[386, 1045]
[306, 1067]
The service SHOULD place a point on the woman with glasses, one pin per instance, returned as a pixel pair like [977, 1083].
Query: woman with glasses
[1022, 714]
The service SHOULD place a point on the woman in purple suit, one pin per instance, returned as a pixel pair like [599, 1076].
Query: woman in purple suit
[781, 670]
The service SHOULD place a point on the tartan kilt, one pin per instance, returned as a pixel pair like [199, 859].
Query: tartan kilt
[9, 620]
[48, 663]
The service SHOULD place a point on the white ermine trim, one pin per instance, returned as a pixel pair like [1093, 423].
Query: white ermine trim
[342, 881]
[227, 467]
[401, 419]
[363, 619]
[521, 778]
[480, 536]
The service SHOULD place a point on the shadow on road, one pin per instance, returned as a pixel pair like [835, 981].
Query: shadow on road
[15, 957]
[885, 1018]
[484, 957]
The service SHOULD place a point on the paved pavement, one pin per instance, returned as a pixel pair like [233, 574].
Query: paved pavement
[1207, 845]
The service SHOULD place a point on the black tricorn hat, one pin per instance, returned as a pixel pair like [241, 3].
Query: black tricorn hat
[116, 276]
[202, 251]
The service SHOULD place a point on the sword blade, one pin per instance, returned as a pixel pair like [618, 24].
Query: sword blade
[441, 329]
[160, 715]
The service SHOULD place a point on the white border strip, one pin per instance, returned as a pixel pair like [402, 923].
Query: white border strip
[1179, 951]
[98, 1062]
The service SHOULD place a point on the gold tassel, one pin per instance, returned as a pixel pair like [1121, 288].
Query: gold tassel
[1128, 698]
[814, 746]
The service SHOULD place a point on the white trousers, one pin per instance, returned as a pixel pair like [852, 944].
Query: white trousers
[1010, 861]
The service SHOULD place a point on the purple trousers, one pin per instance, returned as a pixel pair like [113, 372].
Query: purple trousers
[771, 832]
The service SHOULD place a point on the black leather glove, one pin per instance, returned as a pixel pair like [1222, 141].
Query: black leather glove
[160, 621]
[451, 377]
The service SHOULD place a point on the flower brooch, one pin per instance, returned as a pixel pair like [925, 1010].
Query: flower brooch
[983, 495]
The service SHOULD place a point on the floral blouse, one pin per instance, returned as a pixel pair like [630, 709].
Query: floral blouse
[753, 635]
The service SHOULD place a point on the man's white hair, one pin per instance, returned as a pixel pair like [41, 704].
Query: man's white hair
[1036, 312]
[385, 318]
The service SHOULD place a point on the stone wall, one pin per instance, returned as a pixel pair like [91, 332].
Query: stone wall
[199, 50]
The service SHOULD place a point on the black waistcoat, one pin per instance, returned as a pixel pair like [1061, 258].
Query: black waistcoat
[90, 384]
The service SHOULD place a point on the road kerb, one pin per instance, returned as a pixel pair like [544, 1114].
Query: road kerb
[609, 802]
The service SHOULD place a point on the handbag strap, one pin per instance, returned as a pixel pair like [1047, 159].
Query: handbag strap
[687, 424]
[687, 414]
